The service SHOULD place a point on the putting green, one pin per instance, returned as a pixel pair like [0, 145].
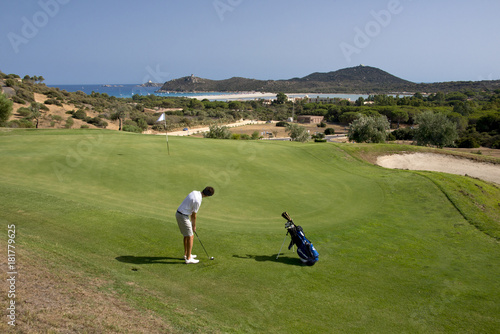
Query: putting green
[395, 254]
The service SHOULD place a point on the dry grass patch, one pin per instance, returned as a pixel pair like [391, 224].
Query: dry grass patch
[53, 301]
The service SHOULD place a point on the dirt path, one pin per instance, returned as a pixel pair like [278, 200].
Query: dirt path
[442, 163]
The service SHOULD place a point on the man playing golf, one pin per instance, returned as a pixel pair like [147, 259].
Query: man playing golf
[186, 219]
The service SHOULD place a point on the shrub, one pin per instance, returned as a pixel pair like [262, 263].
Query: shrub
[496, 144]
[142, 123]
[329, 131]
[318, 136]
[468, 142]
[25, 95]
[297, 133]
[56, 118]
[17, 99]
[390, 137]
[11, 83]
[53, 101]
[282, 124]
[322, 125]
[54, 94]
[158, 127]
[5, 108]
[80, 114]
[367, 129]
[99, 122]
[21, 123]
[404, 134]
[132, 128]
[69, 123]
[218, 132]
[23, 111]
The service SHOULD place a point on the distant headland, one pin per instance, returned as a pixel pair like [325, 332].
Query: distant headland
[353, 80]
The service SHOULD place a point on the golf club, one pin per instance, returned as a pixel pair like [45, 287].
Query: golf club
[211, 258]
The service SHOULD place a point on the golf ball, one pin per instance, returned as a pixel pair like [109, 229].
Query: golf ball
[212, 258]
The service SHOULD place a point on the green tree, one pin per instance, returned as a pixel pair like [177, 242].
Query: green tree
[297, 132]
[435, 129]
[35, 113]
[234, 105]
[195, 104]
[281, 98]
[463, 108]
[349, 117]
[360, 102]
[489, 122]
[121, 111]
[369, 129]
[400, 115]
[329, 131]
[5, 108]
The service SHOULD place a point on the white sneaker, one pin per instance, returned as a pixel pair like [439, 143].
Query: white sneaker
[191, 260]
[192, 256]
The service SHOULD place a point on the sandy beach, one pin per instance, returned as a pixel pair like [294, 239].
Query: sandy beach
[237, 96]
[442, 163]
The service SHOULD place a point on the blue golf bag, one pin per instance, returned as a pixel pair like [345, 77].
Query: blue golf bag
[305, 249]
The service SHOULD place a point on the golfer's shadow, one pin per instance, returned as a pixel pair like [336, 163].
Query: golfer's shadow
[281, 259]
[149, 259]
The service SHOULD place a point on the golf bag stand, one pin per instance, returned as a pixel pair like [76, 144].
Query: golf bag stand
[305, 249]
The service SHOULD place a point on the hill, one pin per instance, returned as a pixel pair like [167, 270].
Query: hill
[360, 79]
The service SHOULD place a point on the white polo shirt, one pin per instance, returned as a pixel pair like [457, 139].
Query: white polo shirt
[191, 203]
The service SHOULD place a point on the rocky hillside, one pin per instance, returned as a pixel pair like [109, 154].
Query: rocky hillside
[360, 79]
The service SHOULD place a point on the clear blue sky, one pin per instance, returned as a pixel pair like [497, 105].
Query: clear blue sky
[130, 41]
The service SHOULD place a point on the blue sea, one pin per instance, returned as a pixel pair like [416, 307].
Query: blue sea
[128, 90]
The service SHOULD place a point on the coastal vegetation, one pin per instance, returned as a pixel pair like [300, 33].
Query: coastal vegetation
[474, 114]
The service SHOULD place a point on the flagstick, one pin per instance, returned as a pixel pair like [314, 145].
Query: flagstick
[166, 133]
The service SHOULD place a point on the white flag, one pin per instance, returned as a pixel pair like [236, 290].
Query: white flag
[162, 118]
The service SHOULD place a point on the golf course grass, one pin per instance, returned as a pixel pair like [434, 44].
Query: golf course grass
[399, 251]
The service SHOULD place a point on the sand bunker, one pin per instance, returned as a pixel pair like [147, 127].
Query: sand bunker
[442, 163]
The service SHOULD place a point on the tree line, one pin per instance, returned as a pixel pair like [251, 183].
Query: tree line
[474, 114]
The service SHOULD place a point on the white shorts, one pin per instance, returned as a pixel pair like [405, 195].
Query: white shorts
[184, 224]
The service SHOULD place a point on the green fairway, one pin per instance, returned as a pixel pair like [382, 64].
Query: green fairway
[399, 251]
